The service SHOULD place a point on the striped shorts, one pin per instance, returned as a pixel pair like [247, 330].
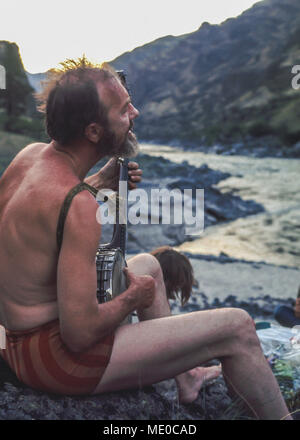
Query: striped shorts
[42, 361]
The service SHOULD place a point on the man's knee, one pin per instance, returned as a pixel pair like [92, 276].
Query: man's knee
[150, 264]
[242, 326]
[241, 318]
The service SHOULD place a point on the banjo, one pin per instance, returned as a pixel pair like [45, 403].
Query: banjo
[110, 257]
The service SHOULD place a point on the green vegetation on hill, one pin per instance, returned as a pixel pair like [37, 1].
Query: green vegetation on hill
[10, 145]
[18, 112]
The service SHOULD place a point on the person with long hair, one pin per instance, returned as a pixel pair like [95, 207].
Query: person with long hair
[178, 273]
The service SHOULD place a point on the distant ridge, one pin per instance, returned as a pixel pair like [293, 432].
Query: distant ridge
[222, 84]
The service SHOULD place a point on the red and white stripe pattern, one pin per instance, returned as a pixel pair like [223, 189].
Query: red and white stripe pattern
[42, 361]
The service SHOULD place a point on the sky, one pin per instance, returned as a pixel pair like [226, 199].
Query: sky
[48, 32]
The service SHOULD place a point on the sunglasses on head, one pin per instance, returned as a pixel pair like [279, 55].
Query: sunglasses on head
[122, 76]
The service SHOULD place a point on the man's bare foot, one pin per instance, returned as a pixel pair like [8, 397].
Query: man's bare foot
[190, 382]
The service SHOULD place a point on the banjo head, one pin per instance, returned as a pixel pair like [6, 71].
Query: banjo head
[119, 283]
[111, 280]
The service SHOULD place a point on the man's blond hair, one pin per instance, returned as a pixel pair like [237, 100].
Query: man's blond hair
[70, 99]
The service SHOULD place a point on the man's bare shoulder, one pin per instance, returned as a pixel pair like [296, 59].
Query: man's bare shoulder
[84, 207]
[82, 225]
[35, 147]
[80, 209]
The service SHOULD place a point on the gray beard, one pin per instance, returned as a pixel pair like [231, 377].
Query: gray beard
[109, 145]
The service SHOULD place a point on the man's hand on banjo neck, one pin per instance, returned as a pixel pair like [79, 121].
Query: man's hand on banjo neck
[108, 176]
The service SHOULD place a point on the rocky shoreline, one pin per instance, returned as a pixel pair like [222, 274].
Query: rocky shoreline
[256, 287]
[159, 402]
[159, 173]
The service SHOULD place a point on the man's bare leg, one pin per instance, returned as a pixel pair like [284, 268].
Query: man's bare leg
[154, 350]
[190, 382]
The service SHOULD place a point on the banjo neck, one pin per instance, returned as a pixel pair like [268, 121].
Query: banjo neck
[119, 239]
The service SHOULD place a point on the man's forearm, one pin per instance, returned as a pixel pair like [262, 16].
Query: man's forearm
[102, 321]
[95, 181]
[109, 316]
[112, 313]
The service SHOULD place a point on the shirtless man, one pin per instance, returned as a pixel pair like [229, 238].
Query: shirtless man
[59, 339]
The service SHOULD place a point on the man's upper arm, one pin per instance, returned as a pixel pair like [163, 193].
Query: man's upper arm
[76, 272]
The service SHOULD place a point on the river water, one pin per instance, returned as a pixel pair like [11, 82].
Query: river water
[272, 236]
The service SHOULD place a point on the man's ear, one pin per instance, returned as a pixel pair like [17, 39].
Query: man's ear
[93, 132]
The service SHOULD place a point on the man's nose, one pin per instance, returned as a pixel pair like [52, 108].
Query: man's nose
[135, 112]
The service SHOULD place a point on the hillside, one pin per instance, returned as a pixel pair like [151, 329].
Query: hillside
[18, 112]
[221, 83]
[228, 86]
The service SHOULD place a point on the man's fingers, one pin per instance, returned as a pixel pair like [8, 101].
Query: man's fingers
[138, 172]
[134, 176]
[133, 165]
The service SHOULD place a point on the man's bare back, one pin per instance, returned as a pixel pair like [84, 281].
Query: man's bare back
[32, 191]
[39, 284]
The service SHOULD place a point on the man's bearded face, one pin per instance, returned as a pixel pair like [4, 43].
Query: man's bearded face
[112, 147]
[118, 138]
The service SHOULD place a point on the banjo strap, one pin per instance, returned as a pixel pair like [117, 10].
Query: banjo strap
[65, 208]
[119, 236]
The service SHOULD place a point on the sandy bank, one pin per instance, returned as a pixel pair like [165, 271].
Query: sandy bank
[245, 279]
